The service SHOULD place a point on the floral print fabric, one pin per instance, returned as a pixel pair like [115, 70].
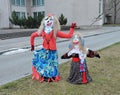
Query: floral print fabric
[46, 62]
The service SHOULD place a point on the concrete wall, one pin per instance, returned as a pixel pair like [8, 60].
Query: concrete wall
[4, 13]
[83, 12]
[59, 7]
[28, 7]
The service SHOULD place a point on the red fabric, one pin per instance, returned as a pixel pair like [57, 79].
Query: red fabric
[35, 74]
[64, 35]
[57, 78]
[84, 79]
[32, 37]
[75, 59]
[49, 41]
[50, 38]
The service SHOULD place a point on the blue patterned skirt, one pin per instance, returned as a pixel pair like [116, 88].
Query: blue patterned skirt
[46, 62]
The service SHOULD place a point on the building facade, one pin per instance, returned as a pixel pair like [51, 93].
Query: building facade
[83, 12]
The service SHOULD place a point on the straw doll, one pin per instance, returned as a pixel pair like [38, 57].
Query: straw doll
[78, 52]
[45, 61]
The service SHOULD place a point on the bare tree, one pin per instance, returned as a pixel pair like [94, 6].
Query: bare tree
[115, 6]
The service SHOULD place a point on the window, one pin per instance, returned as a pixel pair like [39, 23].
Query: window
[41, 13]
[38, 2]
[34, 2]
[23, 2]
[20, 14]
[35, 14]
[18, 2]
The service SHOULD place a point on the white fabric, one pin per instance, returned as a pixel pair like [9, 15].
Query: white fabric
[78, 51]
[48, 29]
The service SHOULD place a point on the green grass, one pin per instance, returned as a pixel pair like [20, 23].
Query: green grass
[105, 73]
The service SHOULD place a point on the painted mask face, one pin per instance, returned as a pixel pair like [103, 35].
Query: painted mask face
[48, 21]
[75, 39]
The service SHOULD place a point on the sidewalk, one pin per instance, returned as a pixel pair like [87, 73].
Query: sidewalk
[19, 38]
[15, 33]
[101, 30]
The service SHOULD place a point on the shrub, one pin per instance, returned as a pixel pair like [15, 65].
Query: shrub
[14, 18]
[62, 20]
[29, 22]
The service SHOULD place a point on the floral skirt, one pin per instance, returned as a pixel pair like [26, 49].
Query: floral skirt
[45, 63]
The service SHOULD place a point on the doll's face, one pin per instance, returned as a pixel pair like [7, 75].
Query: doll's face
[75, 39]
[49, 21]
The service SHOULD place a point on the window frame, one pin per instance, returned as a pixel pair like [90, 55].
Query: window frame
[18, 2]
[36, 3]
[20, 14]
[36, 14]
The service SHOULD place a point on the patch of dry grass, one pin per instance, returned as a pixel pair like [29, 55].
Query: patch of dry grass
[105, 73]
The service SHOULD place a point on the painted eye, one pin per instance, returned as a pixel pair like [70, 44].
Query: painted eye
[51, 18]
[46, 18]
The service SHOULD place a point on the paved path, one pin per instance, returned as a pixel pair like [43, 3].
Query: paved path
[85, 32]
